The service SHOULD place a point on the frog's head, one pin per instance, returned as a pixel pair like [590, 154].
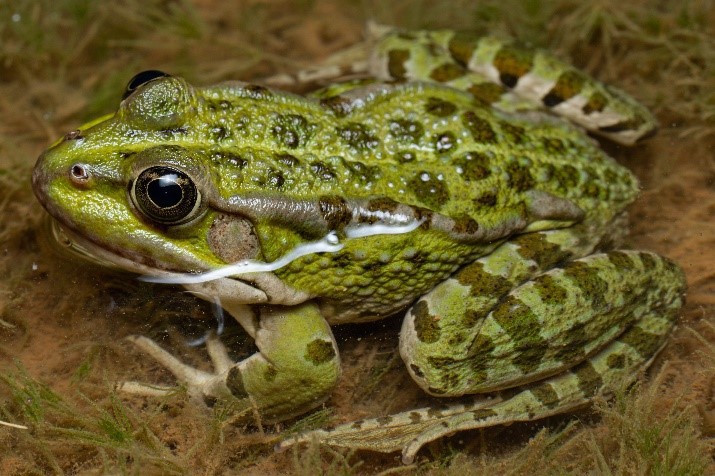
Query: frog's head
[128, 189]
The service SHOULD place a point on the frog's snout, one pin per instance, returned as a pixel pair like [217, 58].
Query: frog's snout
[40, 180]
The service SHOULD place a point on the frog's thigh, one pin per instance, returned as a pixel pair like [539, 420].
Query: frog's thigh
[297, 364]
[453, 345]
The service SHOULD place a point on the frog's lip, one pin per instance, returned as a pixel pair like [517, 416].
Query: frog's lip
[86, 248]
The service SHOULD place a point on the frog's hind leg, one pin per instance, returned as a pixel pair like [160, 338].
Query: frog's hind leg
[294, 370]
[488, 67]
[639, 288]
[453, 344]
[409, 431]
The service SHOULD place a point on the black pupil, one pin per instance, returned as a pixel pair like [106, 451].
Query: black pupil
[165, 191]
[142, 78]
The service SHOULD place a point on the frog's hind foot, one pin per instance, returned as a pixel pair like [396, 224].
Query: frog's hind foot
[406, 432]
[198, 382]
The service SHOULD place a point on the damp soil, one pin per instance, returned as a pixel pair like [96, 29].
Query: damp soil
[62, 322]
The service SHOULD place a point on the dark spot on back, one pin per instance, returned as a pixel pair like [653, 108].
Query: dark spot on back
[553, 145]
[257, 90]
[227, 158]
[292, 130]
[174, 131]
[428, 190]
[515, 133]
[488, 199]
[360, 172]
[475, 166]
[520, 178]
[274, 179]
[340, 105]
[650, 263]
[444, 142]
[358, 136]
[219, 133]
[288, 160]
[621, 260]
[406, 131]
[480, 129]
[439, 107]
[322, 170]
[567, 176]
[405, 156]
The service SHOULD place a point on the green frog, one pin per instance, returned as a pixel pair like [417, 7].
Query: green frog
[450, 179]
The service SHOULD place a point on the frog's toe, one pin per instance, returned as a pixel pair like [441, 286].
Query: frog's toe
[144, 389]
[198, 382]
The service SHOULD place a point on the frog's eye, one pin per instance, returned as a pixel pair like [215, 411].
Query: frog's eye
[140, 79]
[166, 195]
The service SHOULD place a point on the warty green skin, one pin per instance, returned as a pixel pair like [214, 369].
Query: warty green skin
[505, 205]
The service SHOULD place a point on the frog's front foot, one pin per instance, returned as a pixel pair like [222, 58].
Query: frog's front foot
[199, 383]
[294, 370]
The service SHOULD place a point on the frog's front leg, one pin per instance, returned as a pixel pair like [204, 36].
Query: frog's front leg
[294, 370]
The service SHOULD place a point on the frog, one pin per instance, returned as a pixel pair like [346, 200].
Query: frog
[450, 178]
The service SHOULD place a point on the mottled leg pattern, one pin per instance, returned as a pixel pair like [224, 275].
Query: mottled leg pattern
[442, 340]
[294, 370]
[486, 67]
[564, 336]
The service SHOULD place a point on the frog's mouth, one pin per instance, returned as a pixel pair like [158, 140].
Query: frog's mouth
[255, 291]
[78, 245]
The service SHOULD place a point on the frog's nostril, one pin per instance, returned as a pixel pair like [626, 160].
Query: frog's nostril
[79, 174]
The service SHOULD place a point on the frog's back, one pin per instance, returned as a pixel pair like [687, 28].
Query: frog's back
[418, 144]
